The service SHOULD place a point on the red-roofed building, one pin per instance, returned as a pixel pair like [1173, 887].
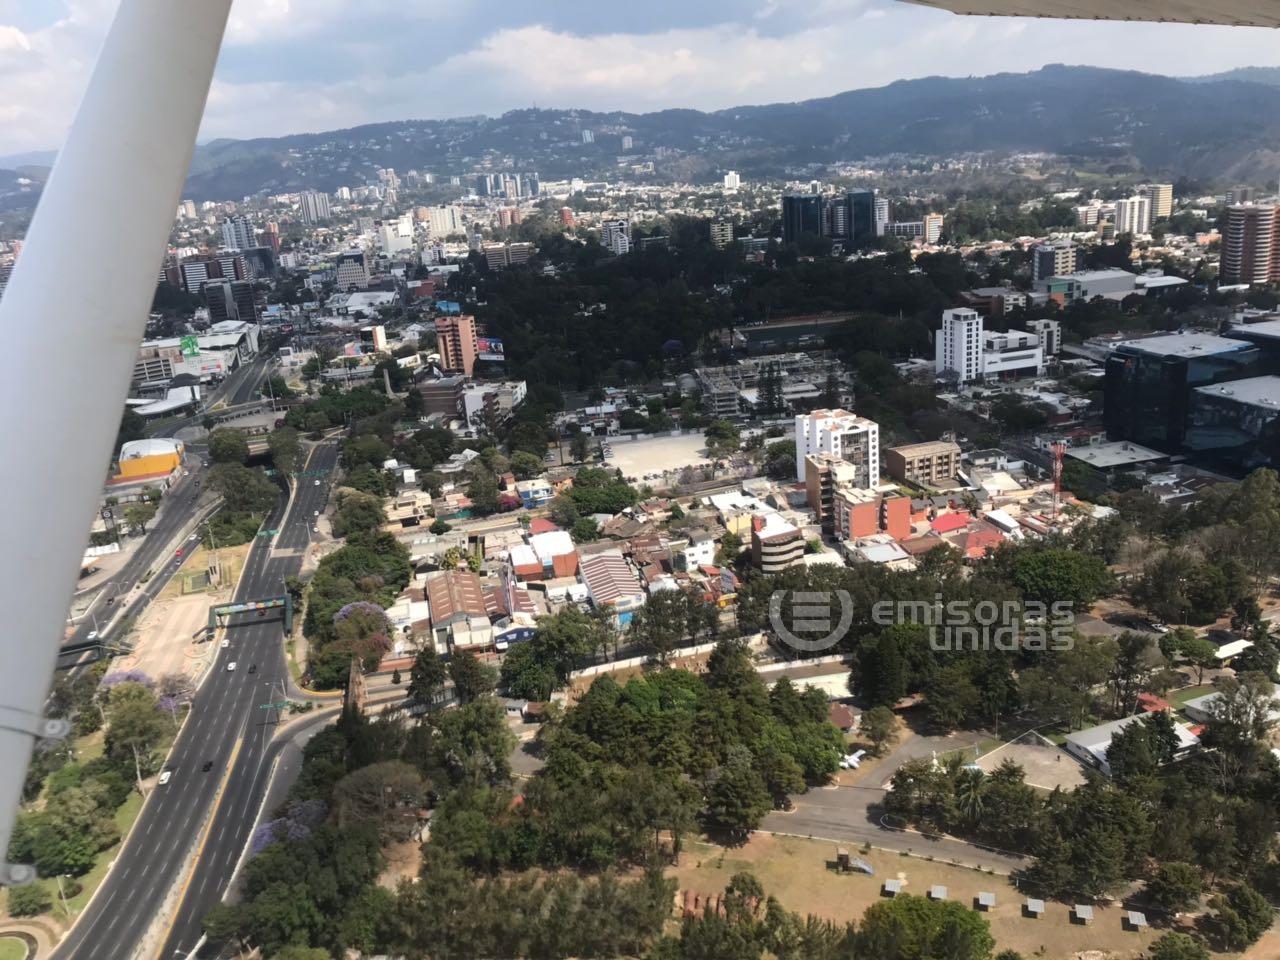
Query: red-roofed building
[950, 522]
[975, 541]
[842, 716]
[1150, 703]
[541, 525]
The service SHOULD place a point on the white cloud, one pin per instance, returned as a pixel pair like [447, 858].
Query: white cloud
[295, 65]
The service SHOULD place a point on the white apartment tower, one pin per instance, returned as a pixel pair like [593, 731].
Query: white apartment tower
[732, 181]
[238, 233]
[841, 434]
[881, 216]
[1133, 216]
[314, 206]
[959, 344]
[615, 235]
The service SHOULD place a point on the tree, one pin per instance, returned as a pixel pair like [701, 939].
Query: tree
[285, 449]
[1175, 887]
[428, 676]
[722, 438]
[880, 727]
[1255, 913]
[243, 491]
[738, 798]
[730, 548]
[527, 675]
[1051, 575]
[910, 926]
[228, 445]
[133, 426]
[29, 900]
[1178, 946]
[668, 619]
[878, 674]
[395, 676]
[585, 530]
[1201, 653]
[357, 512]
[482, 491]
[580, 447]
[138, 515]
[439, 527]
[134, 724]
[526, 465]
[471, 678]
[386, 794]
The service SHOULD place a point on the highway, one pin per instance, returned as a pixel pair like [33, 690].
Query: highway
[176, 511]
[226, 726]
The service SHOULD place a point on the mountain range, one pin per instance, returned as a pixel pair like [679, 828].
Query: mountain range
[1223, 127]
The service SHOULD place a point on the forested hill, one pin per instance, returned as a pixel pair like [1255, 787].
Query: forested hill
[1216, 127]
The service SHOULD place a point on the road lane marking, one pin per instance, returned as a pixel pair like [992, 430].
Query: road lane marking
[194, 863]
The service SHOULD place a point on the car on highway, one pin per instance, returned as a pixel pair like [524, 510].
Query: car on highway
[231, 666]
[317, 513]
[164, 776]
[253, 668]
[226, 642]
[93, 635]
[317, 483]
[208, 765]
[194, 536]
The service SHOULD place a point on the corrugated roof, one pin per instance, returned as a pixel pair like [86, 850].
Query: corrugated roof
[608, 577]
[455, 595]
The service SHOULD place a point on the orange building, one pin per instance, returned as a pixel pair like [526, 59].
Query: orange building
[456, 341]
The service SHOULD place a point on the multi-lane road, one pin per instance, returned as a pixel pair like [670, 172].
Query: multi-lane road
[207, 816]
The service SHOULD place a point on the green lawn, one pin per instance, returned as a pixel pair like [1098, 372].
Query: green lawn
[1177, 698]
[11, 949]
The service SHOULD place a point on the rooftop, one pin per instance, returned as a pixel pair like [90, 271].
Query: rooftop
[1253, 391]
[1183, 345]
[1118, 453]
[930, 448]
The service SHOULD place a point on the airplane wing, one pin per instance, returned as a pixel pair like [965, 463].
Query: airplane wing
[1237, 13]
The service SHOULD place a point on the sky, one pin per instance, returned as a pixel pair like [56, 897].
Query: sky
[292, 66]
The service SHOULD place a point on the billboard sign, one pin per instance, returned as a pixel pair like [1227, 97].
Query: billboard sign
[448, 306]
[489, 348]
[190, 346]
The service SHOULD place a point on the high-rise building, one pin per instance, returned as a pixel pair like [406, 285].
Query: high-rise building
[801, 216]
[627, 142]
[615, 235]
[566, 216]
[314, 206]
[882, 216]
[1239, 194]
[456, 342]
[933, 223]
[1250, 245]
[588, 136]
[1161, 197]
[442, 221]
[396, 236]
[721, 233]
[862, 215]
[484, 185]
[958, 346]
[1133, 216]
[1053, 260]
[187, 210]
[1050, 334]
[843, 435]
[352, 271]
[238, 233]
[270, 236]
[732, 181]
[231, 300]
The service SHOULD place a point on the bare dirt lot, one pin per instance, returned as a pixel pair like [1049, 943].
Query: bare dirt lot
[1046, 767]
[796, 871]
[639, 458]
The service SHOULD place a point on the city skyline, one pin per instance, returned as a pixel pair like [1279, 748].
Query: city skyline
[288, 69]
